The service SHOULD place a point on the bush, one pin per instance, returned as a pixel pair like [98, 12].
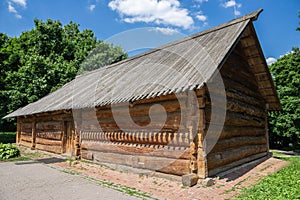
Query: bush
[8, 151]
[7, 137]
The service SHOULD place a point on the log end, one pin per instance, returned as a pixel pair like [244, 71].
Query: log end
[189, 180]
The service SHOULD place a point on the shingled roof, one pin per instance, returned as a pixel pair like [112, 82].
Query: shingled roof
[185, 64]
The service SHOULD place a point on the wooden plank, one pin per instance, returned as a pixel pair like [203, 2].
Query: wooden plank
[236, 105]
[234, 142]
[160, 164]
[235, 119]
[216, 159]
[26, 138]
[54, 135]
[52, 148]
[136, 149]
[25, 143]
[48, 142]
[215, 171]
[237, 131]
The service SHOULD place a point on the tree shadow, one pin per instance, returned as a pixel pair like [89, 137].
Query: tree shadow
[42, 160]
[239, 171]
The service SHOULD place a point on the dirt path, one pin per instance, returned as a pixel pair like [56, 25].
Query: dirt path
[35, 181]
[150, 187]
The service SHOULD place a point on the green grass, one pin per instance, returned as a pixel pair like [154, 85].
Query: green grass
[282, 185]
[7, 137]
[20, 158]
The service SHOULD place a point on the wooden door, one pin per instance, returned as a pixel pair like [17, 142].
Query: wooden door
[68, 138]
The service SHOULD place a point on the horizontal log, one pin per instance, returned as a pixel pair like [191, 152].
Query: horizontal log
[55, 135]
[234, 142]
[240, 75]
[217, 170]
[49, 126]
[48, 142]
[46, 117]
[235, 119]
[137, 110]
[27, 132]
[54, 149]
[160, 164]
[216, 159]
[130, 149]
[238, 95]
[235, 131]
[26, 144]
[26, 138]
[238, 106]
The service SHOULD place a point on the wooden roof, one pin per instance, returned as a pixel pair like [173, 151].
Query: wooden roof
[182, 65]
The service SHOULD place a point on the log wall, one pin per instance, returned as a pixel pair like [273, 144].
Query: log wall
[244, 136]
[43, 131]
[151, 144]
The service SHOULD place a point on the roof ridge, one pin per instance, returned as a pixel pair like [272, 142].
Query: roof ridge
[251, 16]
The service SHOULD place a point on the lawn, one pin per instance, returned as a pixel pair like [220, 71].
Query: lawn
[282, 185]
[7, 137]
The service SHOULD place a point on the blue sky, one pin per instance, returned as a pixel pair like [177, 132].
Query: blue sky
[170, 18]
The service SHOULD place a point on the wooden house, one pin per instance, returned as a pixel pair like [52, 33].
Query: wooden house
[103, 115]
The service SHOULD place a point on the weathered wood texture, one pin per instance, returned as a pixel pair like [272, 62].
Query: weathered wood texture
[243, 137]
[155, 141]
[160, 164]
[43, 131]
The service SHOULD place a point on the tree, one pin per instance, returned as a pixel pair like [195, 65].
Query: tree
[285, 125]
[43, 59]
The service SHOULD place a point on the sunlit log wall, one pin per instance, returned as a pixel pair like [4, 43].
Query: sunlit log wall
[244, 135]
[46, 131]
[158, 145]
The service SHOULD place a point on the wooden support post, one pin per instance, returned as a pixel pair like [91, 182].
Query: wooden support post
[267, 127]
[202, 157]
[64, 136]
[33, 132]
[19, 130]
[76, 136]
[191, 123]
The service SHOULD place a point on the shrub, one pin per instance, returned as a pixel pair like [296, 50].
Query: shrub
[8, 151]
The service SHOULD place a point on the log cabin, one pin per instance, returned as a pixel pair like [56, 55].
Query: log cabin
[196, 106]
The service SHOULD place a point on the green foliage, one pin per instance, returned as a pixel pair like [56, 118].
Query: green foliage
[285, 125]
[8, 151]
[7, 137]
[43, 59]
[281, 185]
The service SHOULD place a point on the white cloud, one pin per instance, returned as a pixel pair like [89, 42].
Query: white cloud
[234, 4]
[18, 16]
[236, 12]
[20, 2]
[271, 60]
[201, 17]
[92, 7]
[231, 3]
[166, 31]
[11, 8]
[166, 12]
